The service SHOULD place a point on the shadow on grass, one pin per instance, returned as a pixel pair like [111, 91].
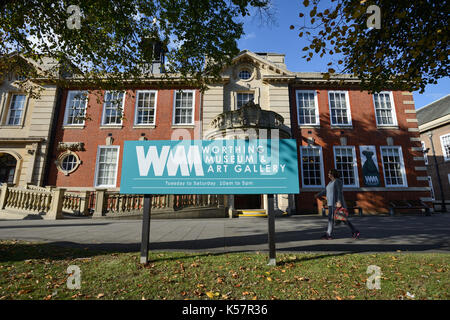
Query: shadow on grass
[14, 251]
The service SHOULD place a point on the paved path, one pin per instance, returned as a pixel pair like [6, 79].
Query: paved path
[293, 234]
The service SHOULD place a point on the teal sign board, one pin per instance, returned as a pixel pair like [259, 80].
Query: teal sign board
[210, 167]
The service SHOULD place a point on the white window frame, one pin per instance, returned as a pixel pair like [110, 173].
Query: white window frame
[174, 106]
[347, 103]
[355, 165]
[402, 169]
[22, 115]
[444, 154]
[244, 92]
[104, 109]
[394, 113]
[425, 154]
[316, 106]
[322, 178]
[97, 167]
[136, 108]
[66, 113]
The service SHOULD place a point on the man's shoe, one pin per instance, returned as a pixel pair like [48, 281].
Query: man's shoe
[325, 237]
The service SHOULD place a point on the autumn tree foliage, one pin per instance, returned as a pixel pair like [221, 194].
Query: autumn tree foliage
[408, 51]
[104, 41]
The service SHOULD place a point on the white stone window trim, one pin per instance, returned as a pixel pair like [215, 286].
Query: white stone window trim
[96, 185]
[154, 108]
[393, 111]
[66, 113]
[316, 106]
[175, 104]
[322, 178]
[347, 105]
[445, 142]
[61, 158]
[355, 166]
[402, 167]
[104, 109]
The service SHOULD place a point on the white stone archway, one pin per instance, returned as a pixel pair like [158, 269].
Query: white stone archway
[19, 161]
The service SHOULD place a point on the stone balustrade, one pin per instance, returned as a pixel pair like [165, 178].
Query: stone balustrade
[52, 203]
[44, 202]
[248, 120]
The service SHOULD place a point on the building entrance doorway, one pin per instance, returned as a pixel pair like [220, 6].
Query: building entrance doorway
[248, 201]
[7, 168]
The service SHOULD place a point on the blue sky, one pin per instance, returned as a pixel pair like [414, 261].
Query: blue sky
[277, 37]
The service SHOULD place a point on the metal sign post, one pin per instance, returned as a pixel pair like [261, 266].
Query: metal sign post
[146, 227]
[271, 229]
[235, 166]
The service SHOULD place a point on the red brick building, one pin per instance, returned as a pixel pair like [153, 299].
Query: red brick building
[336, 125]
[372, 139]
[92, 127]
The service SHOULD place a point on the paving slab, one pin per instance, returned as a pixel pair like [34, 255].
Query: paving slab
[408, 233]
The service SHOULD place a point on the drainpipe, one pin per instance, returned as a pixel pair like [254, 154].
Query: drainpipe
[443, 208]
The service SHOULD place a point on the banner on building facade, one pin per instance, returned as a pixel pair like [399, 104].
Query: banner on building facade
[255, 166]
[371, 174]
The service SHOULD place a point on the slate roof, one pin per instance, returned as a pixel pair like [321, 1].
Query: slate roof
[434, 110]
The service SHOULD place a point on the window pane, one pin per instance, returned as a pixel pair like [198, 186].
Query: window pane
[393, 166]
[184, 106]
[145, 107]
[383, 109]
[69, 162]
[243, 98]
[339, 109]
[107, 166]
[76, 107]
[306, 108]
[113, 107]
[311, 166]
[345, 165]
[16, 109]
[445, 142]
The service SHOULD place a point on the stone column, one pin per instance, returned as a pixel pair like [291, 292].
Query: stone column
[3, 195]
[84, 202]
[99, 202]
[55, 211]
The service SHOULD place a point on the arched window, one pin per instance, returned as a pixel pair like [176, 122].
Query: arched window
[7, 168]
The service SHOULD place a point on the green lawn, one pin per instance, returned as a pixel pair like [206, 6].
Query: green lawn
[38, 271]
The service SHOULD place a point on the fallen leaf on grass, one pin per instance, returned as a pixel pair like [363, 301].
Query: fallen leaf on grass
[100, 295]
[210, 294]
[23, 292]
